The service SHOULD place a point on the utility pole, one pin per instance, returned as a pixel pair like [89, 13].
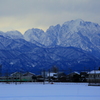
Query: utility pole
[49, 76]
[95, 75]
[44, 77]
[0, 70]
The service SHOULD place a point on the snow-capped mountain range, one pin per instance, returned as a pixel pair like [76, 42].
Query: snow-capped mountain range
[75, 33]
[74, 44]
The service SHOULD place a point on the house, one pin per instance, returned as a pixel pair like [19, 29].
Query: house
[52, 76]
[62, 77]
[28, 76]
[74, 73]
[4, 79]
[17, 76]
[73, 77]
[39, 78]
[94, 77]
[49, 76]
[83, 76]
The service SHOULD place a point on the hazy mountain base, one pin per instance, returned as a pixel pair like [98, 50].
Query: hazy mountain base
[23, 56]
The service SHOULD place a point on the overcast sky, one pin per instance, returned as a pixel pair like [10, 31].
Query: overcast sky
[26, 14]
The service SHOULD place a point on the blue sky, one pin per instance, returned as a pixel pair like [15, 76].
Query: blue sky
[26, 14]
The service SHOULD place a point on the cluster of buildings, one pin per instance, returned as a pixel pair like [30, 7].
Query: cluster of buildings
[92, 77]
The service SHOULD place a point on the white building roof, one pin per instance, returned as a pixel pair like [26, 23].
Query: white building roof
[51, 74]
[95, 72]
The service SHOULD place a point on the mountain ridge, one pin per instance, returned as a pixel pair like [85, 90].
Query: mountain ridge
[74, 44]
[75, 33]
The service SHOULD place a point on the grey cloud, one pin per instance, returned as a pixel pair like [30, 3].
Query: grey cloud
[22, 7]
[43, 13]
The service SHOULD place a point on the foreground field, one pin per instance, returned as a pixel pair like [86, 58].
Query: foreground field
[56, 91]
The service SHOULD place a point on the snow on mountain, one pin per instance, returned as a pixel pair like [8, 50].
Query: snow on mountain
[53, 36]
[12, 34]
[63, 45]
[23, 58]
[2, 34]
[35, 35]
[80, 34]
[75, 33]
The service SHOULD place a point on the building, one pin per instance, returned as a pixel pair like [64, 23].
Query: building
[73, 77]
[28, 76]
[94, 77]
[17, 76]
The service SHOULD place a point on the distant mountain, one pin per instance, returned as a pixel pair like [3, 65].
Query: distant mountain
[74, 45]
[12, 34]
[75, 33]
[36, 36]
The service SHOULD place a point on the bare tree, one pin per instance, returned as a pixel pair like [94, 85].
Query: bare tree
[54, 69]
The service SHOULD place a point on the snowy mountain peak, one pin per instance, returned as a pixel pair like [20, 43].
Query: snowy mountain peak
[52, 27]
[35, 36]
[79, 20]
[15, 32]
[12, 34]
[73, 25]
[74, 22]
